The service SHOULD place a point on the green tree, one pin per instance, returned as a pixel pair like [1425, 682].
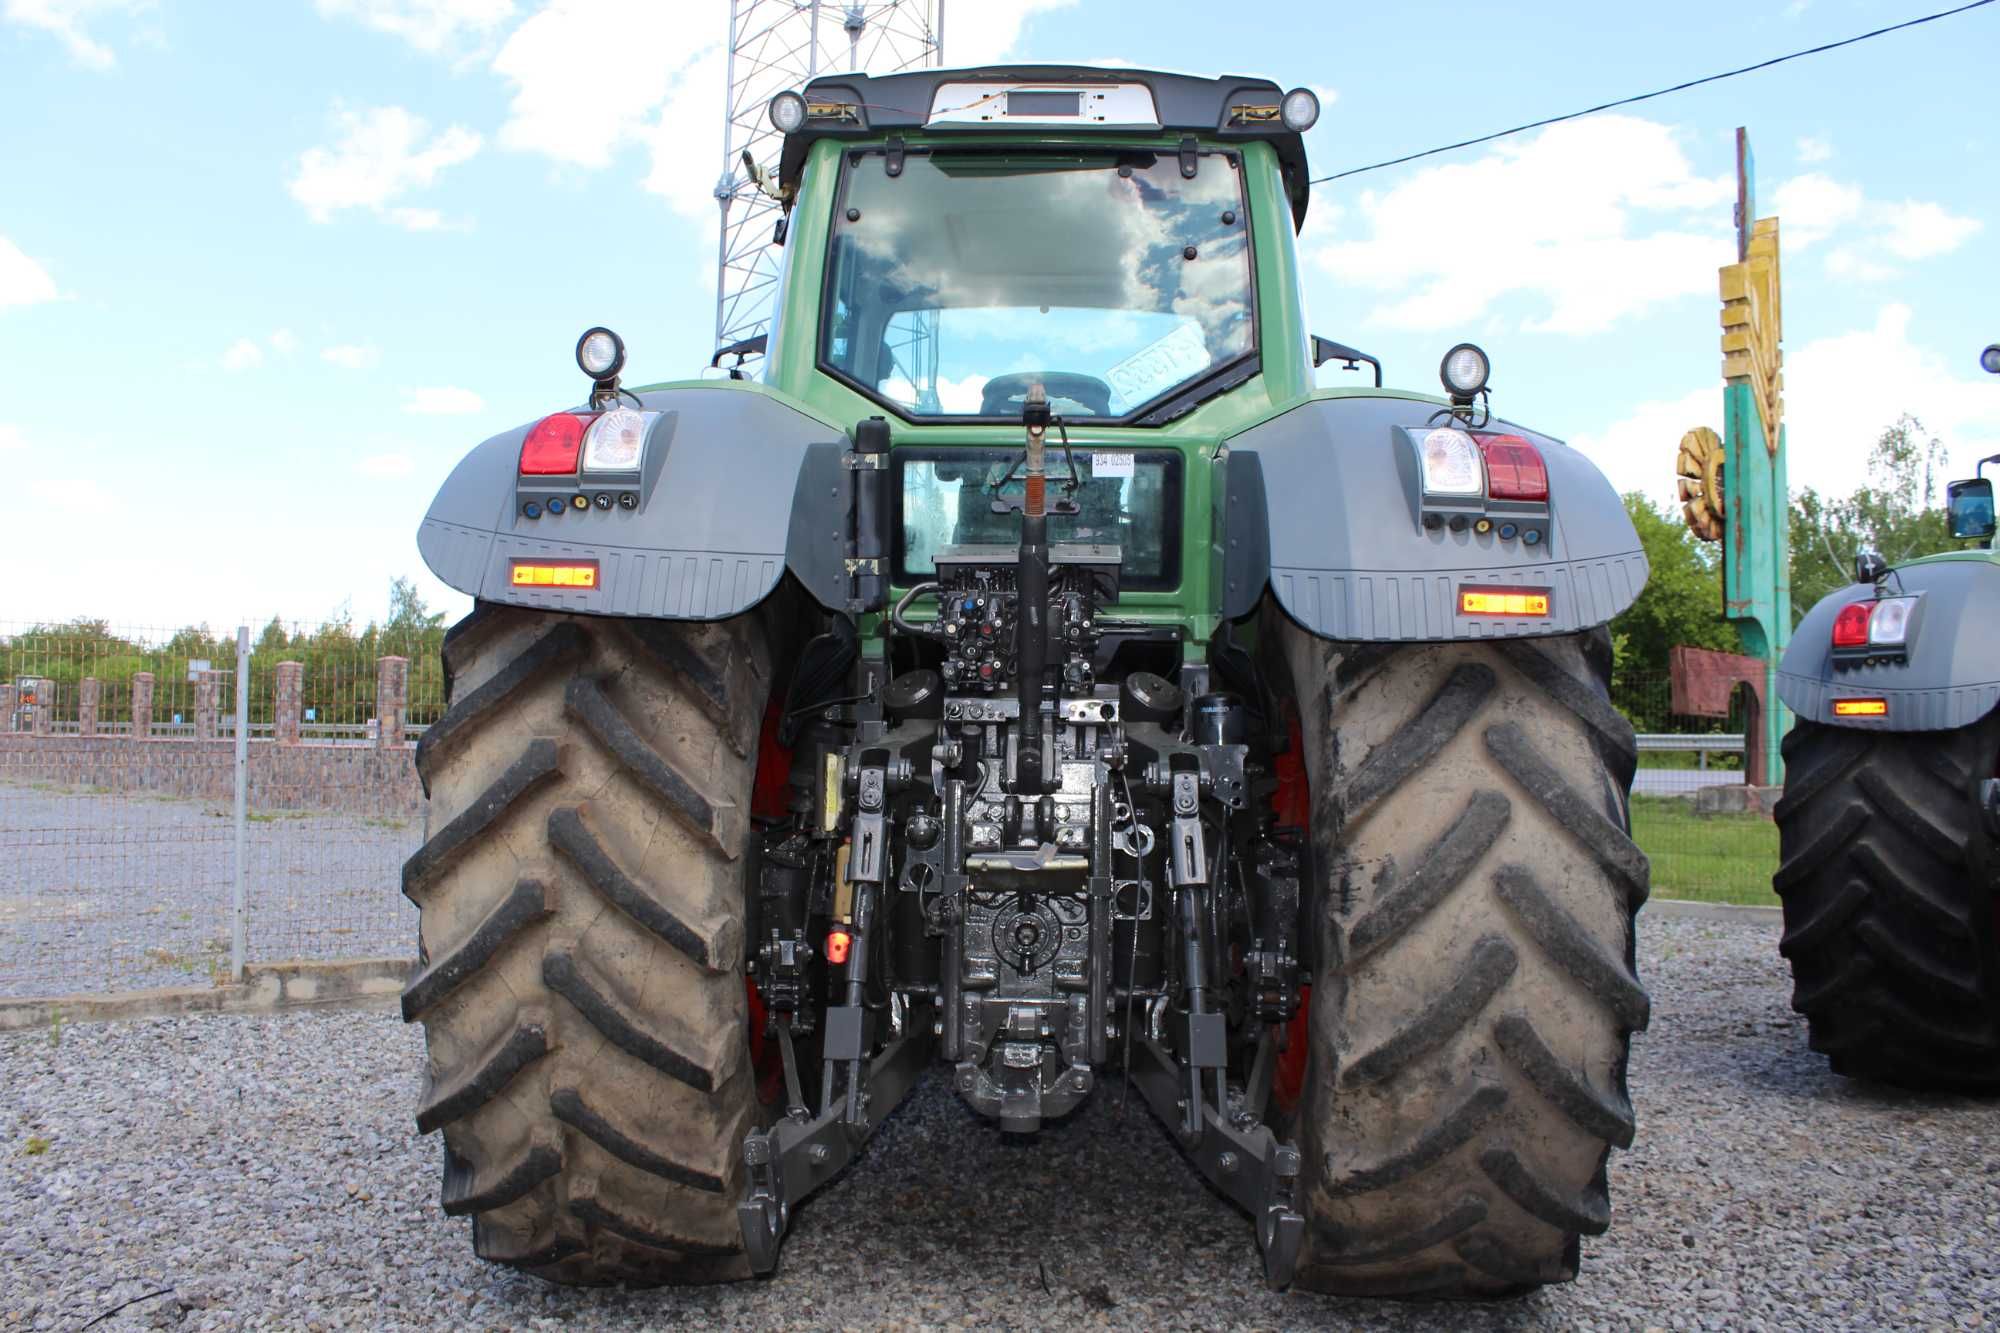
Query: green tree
[1896, 512]
[1681, 604]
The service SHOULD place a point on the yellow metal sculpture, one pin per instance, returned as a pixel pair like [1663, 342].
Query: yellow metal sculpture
[1698, 471]
[1752, 326]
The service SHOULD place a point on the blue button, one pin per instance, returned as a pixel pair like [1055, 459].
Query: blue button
[1532, 536]
[1508, 532]
[531, 510]
[968, 606]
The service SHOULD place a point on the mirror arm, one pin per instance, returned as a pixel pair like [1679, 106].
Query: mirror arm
[1325, 350]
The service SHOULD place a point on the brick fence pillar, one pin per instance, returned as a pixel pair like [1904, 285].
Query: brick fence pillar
[392, 684]
[291, 685]
[87, 691]
[142, 705]
[206, 690]
[9, 700]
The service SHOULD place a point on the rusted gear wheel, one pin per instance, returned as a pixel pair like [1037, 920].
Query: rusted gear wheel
[1698, 468]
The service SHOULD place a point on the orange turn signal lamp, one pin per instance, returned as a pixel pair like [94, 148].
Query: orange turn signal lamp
[838, 942]
[1861, 708]
[1503, 601]
[554, 574]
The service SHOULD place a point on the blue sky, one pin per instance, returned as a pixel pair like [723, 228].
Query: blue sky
[267, 271]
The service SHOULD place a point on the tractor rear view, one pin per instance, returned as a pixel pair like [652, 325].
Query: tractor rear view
[1889, 828]
[1032, 673]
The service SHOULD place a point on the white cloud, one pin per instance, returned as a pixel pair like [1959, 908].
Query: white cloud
[385, 465]
[284, 342]
[12, 438]
[64, 19]
[429, 25]
[1590, 221]
[980, 34]
[243, 354]
[1813, 207]
[1914, 230]
[588, 74]
[442, 402]
[1841, 393]
[73, 497]
[1637, 453]
[353, 356]
[382, 153]
[1812, 149]
[22, 280]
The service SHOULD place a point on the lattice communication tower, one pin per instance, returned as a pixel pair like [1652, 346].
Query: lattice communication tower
[780, 44]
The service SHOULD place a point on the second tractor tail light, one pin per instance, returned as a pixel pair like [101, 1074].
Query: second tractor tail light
[1514, 468]
[1850, 627]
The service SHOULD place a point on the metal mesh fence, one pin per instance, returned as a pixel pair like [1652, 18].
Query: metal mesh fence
[119, 823]
[1697, 850]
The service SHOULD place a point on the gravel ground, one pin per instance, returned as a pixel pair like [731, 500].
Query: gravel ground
[109, 892]
[265, 1170]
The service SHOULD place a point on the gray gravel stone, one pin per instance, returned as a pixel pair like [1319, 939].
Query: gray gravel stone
[265, 1170]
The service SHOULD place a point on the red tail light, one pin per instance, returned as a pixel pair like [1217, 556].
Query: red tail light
[1850, 627]
[1514, 468]
[552, 446]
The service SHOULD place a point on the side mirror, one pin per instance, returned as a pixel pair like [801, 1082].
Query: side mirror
[1326, 349]
[754, 345]
[1969, 508]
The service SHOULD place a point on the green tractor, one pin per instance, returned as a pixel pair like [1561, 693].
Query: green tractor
[1889, 828]
[1030, 672]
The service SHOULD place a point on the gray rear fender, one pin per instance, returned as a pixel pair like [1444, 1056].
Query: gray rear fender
[738, 487]
[1951, 676]
[1321, 504]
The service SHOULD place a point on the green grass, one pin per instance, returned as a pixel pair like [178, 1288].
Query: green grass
[1709, 858]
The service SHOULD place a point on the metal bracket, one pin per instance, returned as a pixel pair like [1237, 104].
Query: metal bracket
[1189, 850]
[1245, 1161]
[893, 156]
[794, 1157]
[1190, 157]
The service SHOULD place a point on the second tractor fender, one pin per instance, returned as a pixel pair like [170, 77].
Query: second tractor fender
[1321, 503]
[737, 486]
[1951, 675]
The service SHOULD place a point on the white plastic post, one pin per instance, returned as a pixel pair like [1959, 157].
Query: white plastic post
[242, 796]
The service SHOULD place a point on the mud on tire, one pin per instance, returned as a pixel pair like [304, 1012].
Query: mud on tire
[1475, 991]
[581, 973]
[1892, 902]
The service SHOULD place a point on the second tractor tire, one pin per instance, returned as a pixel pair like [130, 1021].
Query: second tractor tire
[1474, 990]
[1891, 890]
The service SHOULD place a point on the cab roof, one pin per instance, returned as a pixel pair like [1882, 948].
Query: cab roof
[876, 106]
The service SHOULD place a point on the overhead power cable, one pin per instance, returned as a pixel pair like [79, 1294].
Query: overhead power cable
[1658, 92]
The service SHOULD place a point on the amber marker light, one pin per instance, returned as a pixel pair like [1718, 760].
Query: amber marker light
[1861, 708]
[555, 574]
[837, 944]
[1503, 601]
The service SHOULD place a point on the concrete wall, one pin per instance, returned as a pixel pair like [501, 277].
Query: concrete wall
[353, 779]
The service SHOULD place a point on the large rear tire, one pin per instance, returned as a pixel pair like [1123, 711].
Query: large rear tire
[1891, 889]
[582, 932]
[1474, 987]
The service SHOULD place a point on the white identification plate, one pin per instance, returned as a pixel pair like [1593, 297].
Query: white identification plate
[1104, 464]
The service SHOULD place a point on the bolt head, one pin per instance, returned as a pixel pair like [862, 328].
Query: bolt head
[757, 1151]
[818, 1154]
[1227, 1162]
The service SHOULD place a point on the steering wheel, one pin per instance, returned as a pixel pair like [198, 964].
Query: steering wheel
[1004, 395]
